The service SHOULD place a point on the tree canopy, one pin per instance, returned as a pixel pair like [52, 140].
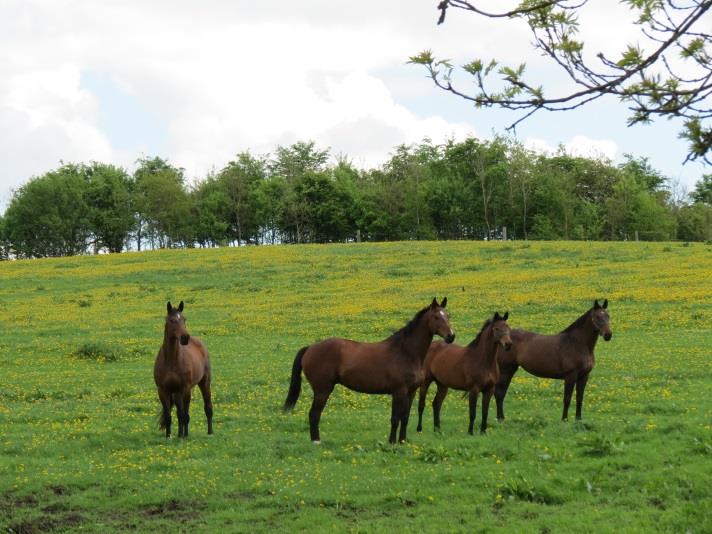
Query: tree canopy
[469, 189]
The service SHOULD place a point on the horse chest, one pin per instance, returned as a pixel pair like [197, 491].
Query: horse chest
[174, 380]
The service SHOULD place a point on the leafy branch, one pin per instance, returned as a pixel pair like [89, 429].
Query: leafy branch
[672, 80]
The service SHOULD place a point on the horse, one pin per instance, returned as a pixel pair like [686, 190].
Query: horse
[566, 356]
[472, 369]
[393, 367]
[182, 362]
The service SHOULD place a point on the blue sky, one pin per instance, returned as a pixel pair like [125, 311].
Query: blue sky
[199, 82]
[128, 124]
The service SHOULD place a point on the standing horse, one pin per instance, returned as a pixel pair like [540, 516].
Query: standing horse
[567, 356]
[472, 369]
[182, 362]
[393, 366]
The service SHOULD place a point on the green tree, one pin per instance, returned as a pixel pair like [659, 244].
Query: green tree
[694, 222]
[703, 190]
[49, 216]
[240, 180]
[211, 213]
[108, 197]
[4, 245]
[289, 166]
[650, 81]
[162, 204]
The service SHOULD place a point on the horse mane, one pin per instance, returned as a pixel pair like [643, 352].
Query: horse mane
[474, 342]
[404, 332]
[577, 323]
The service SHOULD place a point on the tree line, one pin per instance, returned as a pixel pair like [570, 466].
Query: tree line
[472, 189]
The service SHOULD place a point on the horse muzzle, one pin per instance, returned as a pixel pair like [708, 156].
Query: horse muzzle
[184, 339]
[450, 338]
[607, 336]
[507, 345]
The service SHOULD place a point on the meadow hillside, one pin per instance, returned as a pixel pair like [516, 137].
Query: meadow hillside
[80, 448]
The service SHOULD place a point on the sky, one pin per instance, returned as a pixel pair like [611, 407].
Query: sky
[199, 82]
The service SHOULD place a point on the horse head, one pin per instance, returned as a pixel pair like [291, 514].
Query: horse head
[601, 320]
[439, 320]
[175, 324]
[501, 330]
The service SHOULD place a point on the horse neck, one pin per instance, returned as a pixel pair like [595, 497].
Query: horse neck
[418, 341]
[485, 351]
[171, 347]
[585, 334]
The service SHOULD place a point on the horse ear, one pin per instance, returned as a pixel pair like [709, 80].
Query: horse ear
[443, 303]
[506, 316]
[596, 305]
[180, 306]
[497, 317]
[169, 307]
[434, 303]
[605, 304]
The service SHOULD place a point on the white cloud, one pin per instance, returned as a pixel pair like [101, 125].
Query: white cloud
[227, 76]
[233, 77]
[45, 117]
[580, 146]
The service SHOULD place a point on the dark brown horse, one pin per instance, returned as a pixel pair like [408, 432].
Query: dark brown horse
[182, 362]
[472, 369]
[567, 356]
[393, 366]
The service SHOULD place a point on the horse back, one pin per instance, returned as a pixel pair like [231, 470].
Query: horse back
[363, 367]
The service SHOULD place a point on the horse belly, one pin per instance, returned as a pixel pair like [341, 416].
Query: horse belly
[547, 365]
[365, 379]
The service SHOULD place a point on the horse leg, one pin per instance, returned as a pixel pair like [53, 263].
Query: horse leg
[398, 405]
[186, 413]
[500, 390]
[580, 387]
[421, 403]
[473, 408]
[166, 406]
[178, 401]
[405, 416]
[569, 383]
[320, 398]
[486, 396]
[437, 404]
[204, 386]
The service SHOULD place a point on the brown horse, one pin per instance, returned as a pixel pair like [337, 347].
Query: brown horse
[567, 356]
[182, 362]
[472, 369]
[393, 366]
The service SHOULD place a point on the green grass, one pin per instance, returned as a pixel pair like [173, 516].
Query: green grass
[80, 448]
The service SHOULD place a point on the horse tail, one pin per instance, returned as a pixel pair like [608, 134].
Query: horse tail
[295, 386]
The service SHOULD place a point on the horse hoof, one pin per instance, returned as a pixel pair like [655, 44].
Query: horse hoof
[316, 442]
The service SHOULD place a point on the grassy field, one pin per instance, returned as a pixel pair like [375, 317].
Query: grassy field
[80, 449]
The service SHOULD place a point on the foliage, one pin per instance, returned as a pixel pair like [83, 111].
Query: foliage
[49, 216]
[162, 203]
[107, 194]
[669, 79]
[472, 189]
